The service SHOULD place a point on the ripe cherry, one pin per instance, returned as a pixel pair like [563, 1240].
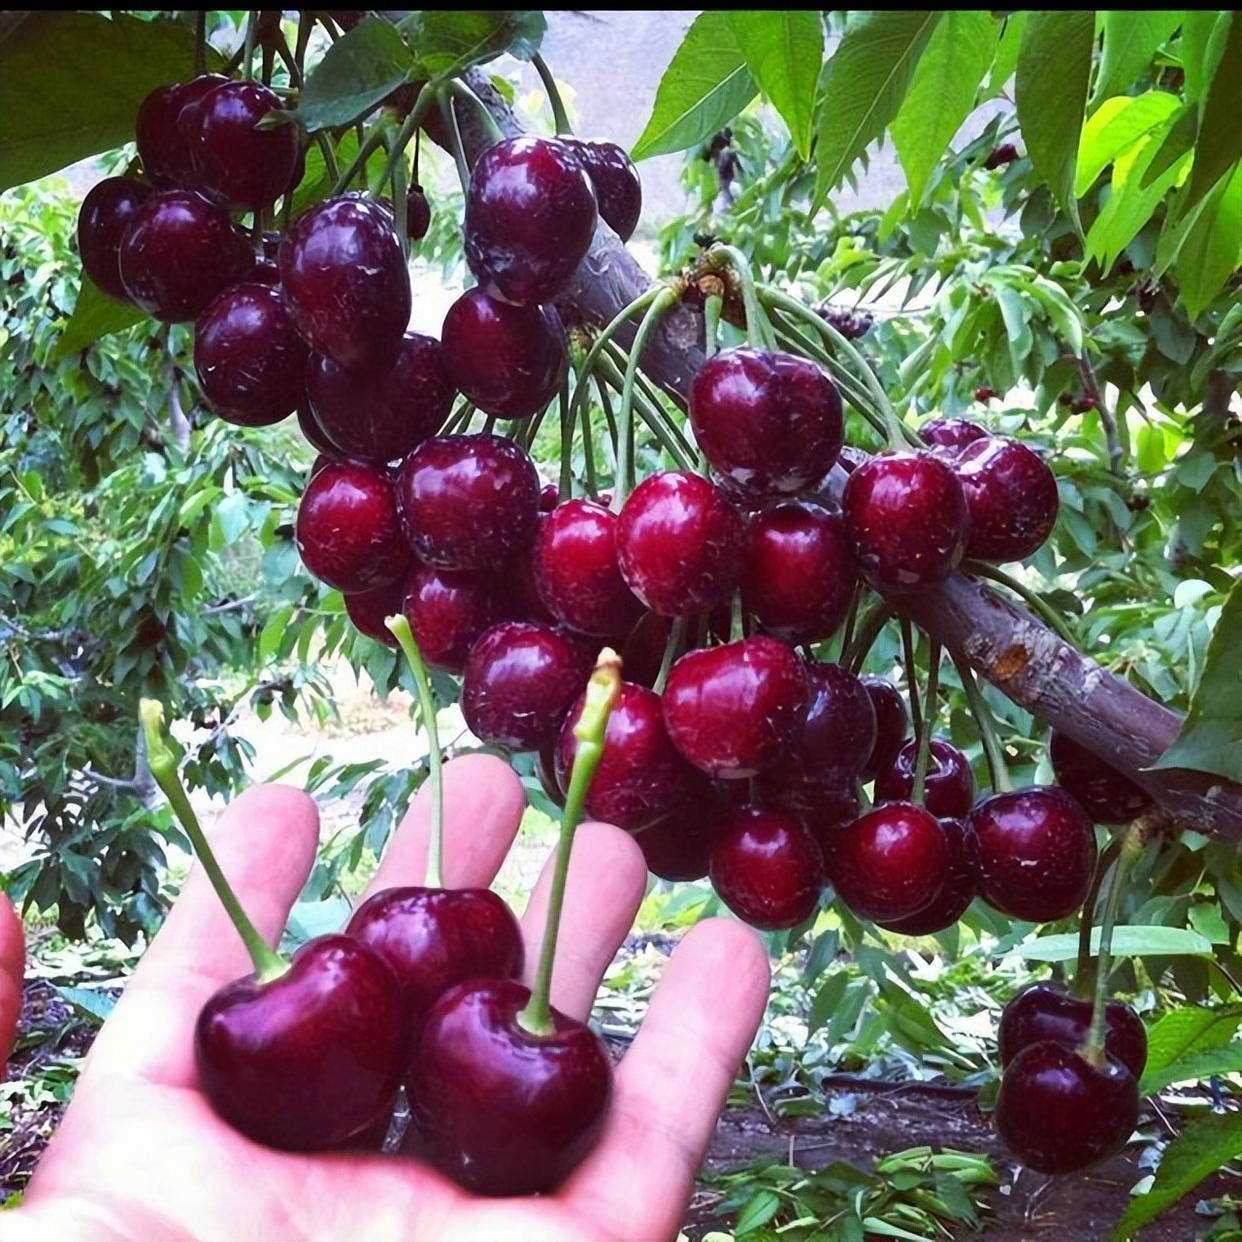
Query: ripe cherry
[618, 190]
[1045, 1011]
[1103, 792]
[417, 214]
[368, 610]
[951, 434]
[1012, 497]
[165, 128]
[891, 722]
[448, 610]
[767, 868]
[960, 886]
[314, 434]
[679, 846]
[102, 220]
[949, 789]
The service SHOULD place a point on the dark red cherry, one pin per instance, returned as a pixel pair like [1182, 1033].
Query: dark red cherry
[248, 355]
[577, 573]
[767, 868]
[530, 217]
[469, 502]
[311, 1059]
[678, 847]
[1103, 792]
[549, 497]
[497, 1109]
[1058, 1113]
[265, 271]
[832, 807]
[907, 518]
[178, 252]
[247, 168]
[1045, 1011]
[948, 791]
[102, 220]
[618, 190]
[348, 528]
[508, 360]
[381, 414]
[313, 433]
[344, 273]
[960, 886]
[951, 434]
[768, 422]
[165, 129]
[368, 610]
[417, 214]
[1036, 852]
[448, 610]
[1012, 497]
[890, 864]
[891, 722]
[520, 681]
[680, 543]
[642, 652]
[735, 710]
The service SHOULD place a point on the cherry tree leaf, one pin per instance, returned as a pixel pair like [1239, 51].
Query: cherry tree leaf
[784, 51]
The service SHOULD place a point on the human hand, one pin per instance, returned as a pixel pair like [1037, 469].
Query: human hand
[12, 969]
[141, 1154]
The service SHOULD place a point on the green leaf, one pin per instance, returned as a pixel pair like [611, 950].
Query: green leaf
[1006, 53]
[1131, 940]
[1054, 70]
[1211, 736]
[784, 51]
[1203, 41]
[446, 41]
[96, 1006]
[95, 315]
[942, 93]
[1209, 254]
[1202, 1148]
[1131, 40]
[705, 86]
[1194, 1068]
[71, 83]
[1220, 135]
[865, 83]
[1114, 127]
[1189, 1030]
[1178, 139]
[757, 1212]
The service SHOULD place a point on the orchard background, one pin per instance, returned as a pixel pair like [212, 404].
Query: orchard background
[1033, 221]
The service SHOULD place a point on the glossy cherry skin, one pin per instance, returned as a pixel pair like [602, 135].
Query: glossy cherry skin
[530, 217]
[1045, 1011]
[1057, 1113]
[469, 502]
[245, 167]
[834, 807]
[520, 680]
[679, 846]
[508, 360]
[348, 529]
[1037, 852]
[960, 886]
[891, 724]
[165, 129]
[178, 252]
[799, 575]
[907, 517]
[314, 434]
[249, 357]
[735, 710]
[767, 868]
[680, 543]
[382, 414]
[1103, 792]
[549, 497]
[310, 1060]
[501, 1111]
[618, 190]
[577, 573]
[448, 610]
[949, 789]
[368, 610]
[891, 863]
[102, 220]
[951, 434]
[768, 422]
[1012, 497]
[344, 273]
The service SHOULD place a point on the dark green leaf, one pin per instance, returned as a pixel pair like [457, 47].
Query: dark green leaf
[1209, 254]
[447, 41]
[94, 315]
[1131, 40]
[1220, 135]
[1194, 1068]
[1203, 40]
[784, 51]
[761, 1208]
[1006, 52]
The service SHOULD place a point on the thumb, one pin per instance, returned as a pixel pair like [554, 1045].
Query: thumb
[12, 968]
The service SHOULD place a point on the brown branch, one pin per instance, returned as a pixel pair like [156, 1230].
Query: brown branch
[1091, 388]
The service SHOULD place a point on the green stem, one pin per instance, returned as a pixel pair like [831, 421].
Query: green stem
[758, 330]
[268, 964]
[252, 30]
[397, 145]
[463, 90]
[657, 422]
[588, 446]
[676, 640]
[369, 145]
[851, 619]
[401, 204]
[1084, 969]
[737, 619]
[566, 484]
[559, 116]
[912, 679]
[290, 61]
[601, 695]
[457, 149]
[998, 769]
[929, 722]
[878, 616]
[531, 430]
[712, 309]
[1046, 613]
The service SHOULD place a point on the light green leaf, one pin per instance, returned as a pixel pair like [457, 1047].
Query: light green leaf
[1194, 1068]
[1132, 940]
[784, 51]
[1131, 40]
[1178, 139]
[1116, 125]
[95, 314]
[942, 93]
[1210, 252]
[1188, 1030]
[1006, 53]
[761, 1208]
[705, 86]
[1220, 135]
[94, 1005]
[446, 41]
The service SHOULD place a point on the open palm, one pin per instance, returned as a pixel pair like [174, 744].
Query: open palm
[140, 1154]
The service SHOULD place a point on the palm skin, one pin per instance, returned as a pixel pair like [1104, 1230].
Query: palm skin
[140, 1154]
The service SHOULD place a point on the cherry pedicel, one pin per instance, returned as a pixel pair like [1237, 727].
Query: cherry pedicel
[1012, 497]
[448, 609]
[618, 190]
[891, 722]
[1103, 792]
[959, 890]
[949, 789]
[1045, 1011]
[102, 220]
[165, 129]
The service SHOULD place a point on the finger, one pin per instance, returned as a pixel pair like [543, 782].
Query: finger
[605, 886]
[12, 970]
[265, 843]
[673, 1082]
[483, 805]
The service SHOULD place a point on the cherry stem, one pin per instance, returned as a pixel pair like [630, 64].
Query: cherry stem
[676, 640]
[268, 964]
[602, 692]
[851, 619]
[1084, 968]
[401, 202]
[566, 485]
[399, 627]
[658, 422]
[879, 615]
[912, 675]
[1045, 611]
[456, 148]
[712, 309]
[252, 30]
[929, 722]
[737, 621]
[463, 90]
[372, 142]
[398, 144]
[998, 769]
[759, 330]
[559, 116]
[588, 446]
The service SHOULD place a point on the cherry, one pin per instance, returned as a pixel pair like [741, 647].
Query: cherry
[768, 422]
[907, 517]
[448, 610]
[1058, 1113]
[310, 1059]
[799, 576]
[1037, 852]
[577, 573]
[102, 220]
[734, 710]
[1044, 1011]
[767, 868]
[348, 528]
[890, 864]
[382, 414]
[549, 497]
[314, 434]
[164, 129]
[530, 217]
[891, 721]
[245, 167]
[951, 434]
[178, 252]
[679, 846]
[834, 806]
[1103, 792]
[960, 886]
[618, 190]
[998, 157]
[249, 357]
[265, 271]
[417, 214]
[642, 651]
[496, 1108]
[368, 610]
[679, 543]
[344, 273]
[984, 393]
[949, 789]
[469, 502]
[1012, 497]
[520, 680]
